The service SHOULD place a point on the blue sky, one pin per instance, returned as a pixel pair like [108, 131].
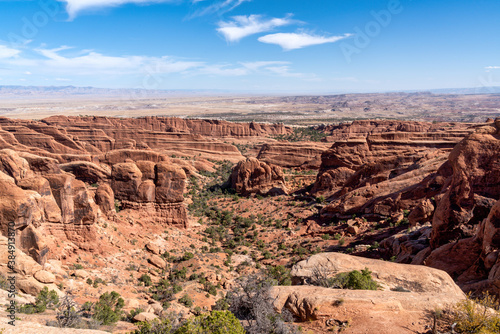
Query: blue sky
[315, 46]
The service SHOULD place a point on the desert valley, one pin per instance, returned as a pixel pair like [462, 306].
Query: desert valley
[251, 214]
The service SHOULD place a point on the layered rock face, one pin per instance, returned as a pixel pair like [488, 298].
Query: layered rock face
[252, 176]
[299, 155]
[364, 128]
[63, 137]
[375, 168]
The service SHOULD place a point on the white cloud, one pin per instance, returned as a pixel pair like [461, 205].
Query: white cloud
[68, 64]
[492, 67]
[219, 7]
[243, 26]
[256, 65]
[73, 7]
[223, 70]
[92, 61]
[6, 52]
[291, 41]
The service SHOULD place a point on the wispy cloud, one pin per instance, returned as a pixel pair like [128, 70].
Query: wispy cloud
[492, 67]
[69, 63]
[6, 52]
[66, 61]
[218, 6]
[291, 41]
[243, 26]
[257, 65]
[73, 7]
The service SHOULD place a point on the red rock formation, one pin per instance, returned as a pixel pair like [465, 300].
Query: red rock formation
[256, 177]
[378, 169]
[105, 198]
[287, 155]
[476, 171]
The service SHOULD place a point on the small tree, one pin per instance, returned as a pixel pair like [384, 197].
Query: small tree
[68, 312]
[108, 308]
[251, 301]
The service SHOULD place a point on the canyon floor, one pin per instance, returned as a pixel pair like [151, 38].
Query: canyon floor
[171, 213]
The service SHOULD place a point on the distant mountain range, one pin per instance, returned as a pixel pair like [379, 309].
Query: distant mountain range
[72, 91]
[47, 91]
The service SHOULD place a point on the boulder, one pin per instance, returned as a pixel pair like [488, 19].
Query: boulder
[86, 171]
[126, 179]
[153, 248]
[145, 316]
[387, 312]
[30, 286]
[105, 198]
[157, 261]
[389, 275]
[252, 176]
[44, 277]
[170, 183]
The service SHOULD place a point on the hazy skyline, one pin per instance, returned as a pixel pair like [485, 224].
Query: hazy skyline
[251, 45]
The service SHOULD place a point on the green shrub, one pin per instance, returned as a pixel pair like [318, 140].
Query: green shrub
[108, 309]
[280, 274]
[45, 299]
[158, 326]
[146, 279]
[3, 283]
[354, 280]
[477, 315]
[186, 301]
[130, 316]
[215, 322]
[221, 305]
[118, 205]
[187, 256]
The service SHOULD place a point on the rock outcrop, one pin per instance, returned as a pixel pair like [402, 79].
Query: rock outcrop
[379, 167]
[389, 275]
[406, 294]
[256, 177]
[287, 155]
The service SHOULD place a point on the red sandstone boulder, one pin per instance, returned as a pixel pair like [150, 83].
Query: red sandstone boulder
[125, 181]
[170, 183]
[105, 198]
[252, 176]
[13, 165]
[86, 171]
